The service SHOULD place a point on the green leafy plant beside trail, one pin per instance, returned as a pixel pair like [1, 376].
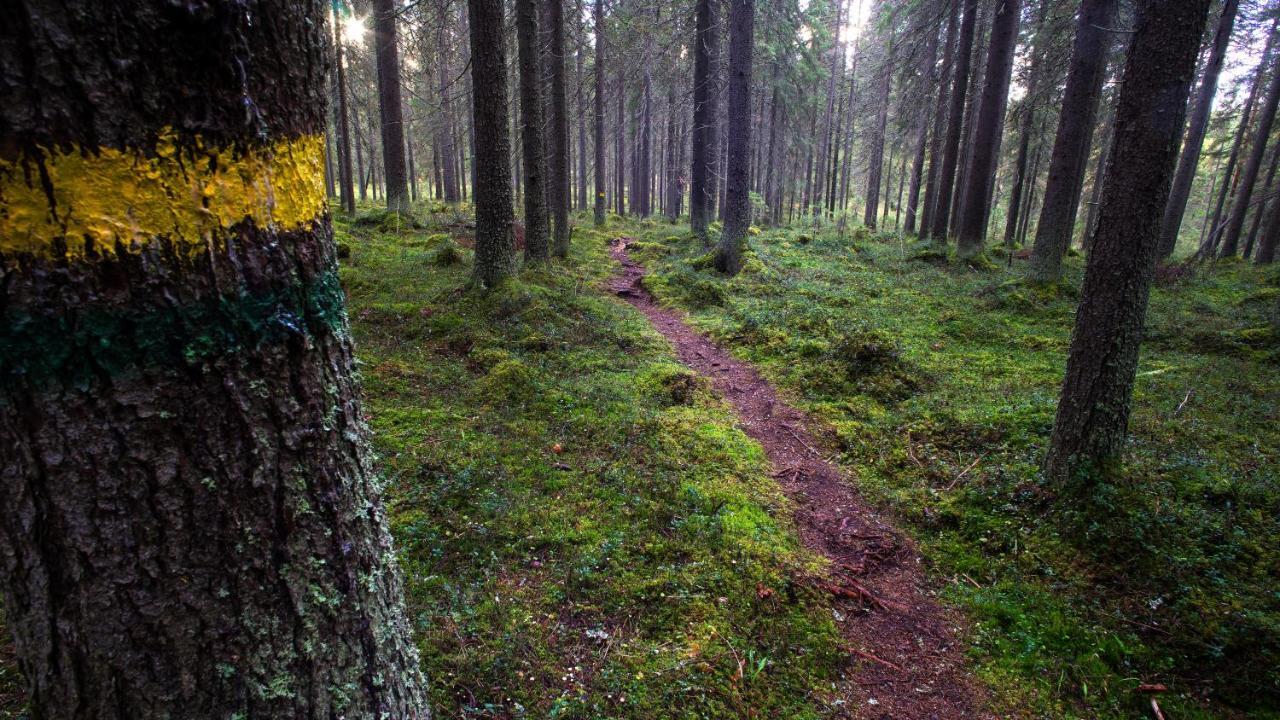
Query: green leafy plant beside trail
[939, 384]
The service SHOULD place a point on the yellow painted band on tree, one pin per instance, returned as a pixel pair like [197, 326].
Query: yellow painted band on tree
[107, 199]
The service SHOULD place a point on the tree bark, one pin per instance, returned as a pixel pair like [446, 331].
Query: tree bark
[876, 156]
[536, 221]
[601, 181]
[1191, 147]
[448, 152]
[951, 151]
[390, 105]
[191, 525]
[971, 230]
[342, 123]
[706, 48]
[922, 126]
[1070, 157]
[737, 201]
[1093, 411]
[558, 197]
[939, 124]
[1253, 165]
[495, 257]
[580, 105]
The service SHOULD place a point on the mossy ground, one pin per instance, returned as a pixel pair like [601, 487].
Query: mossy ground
[583, 530]
[939, 383]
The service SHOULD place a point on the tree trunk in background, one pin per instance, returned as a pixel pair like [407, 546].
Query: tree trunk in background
[448, 155]
[495, 257]
[875, 163]
[558, 197]
[955, 119]
[737, 202]
[971, 230]
[342, 124]
[1028, 113]
[1270, 234]
[927, 83]
[1252, 166]
[1186, 174]
[536, 221]
[191, 525]
[620, 149]
[1093, 412]
[1260, 212]
[672, 171]
[601, 180]
[939, 127]
[706, 48]
[1070, 156]
[580, 105]
[390, 104]
[828, 118]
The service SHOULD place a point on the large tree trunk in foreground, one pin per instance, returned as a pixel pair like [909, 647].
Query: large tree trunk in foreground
[1191, 147]
[737, 200]
[1093, 412]
[191, 527]
[558, 168]
[706, 48]
[390, 105]
[601, 181]
[1252, 166]
[975, 200]
[1070, 158]
[536, 221]
[955, 119]
[495, 245]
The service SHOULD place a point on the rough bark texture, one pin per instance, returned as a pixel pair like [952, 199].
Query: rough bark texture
[601, 181]
[1252, 166]
[971, 229]
[1093, 411]
[390, 105]
[558, 195]
[495, 244]
[1186, 174]
[1070, 157]
[706, 46]
[536, 222]
[737, 200]
[955, 119]
[191, 526]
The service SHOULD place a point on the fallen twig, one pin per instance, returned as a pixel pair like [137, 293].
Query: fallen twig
[802, 442]
[1155, 708]
[855, 591]
[1184, 402]
[869, 656]
[964, 472]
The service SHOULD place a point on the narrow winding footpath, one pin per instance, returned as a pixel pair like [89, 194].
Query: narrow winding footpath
[905, 649]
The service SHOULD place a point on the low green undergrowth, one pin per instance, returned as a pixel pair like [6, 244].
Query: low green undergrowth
[583, 530]
[939, 384]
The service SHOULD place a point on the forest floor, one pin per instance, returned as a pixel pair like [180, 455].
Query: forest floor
[588, 529]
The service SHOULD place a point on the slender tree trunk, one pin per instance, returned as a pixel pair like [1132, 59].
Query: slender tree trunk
[1267, 246]
[191, 524]
[706, 49]
[1093, 412]
[971, 229]
[390, 104]
[601, 181]
[934, 172]
[581, 106]
[922, 126]
[558, 197]
[951, 151]
[620, 149]
[1262, 206]
[828, 118]
[343, 124]
[495, 257]
[448, 161]
[1019, 172]
[876, 160]
[1253, 165]
[737, 193]
[536, 220]
[1191, 147]
[1070, 156]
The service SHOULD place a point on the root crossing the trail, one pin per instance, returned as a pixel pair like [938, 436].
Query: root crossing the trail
[907, 661]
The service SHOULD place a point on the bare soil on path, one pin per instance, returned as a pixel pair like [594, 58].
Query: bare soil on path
[906, 651]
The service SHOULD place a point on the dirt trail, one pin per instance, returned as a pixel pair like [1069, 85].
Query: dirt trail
[907, 660]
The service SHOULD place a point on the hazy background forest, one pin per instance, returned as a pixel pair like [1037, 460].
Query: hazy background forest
[1022, 460]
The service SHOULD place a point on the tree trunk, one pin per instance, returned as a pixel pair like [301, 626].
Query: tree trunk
[1253, 165]
[737, 201]
[922, 126]
[1019, 172]
[875, 163]
[342, 122]
[536, 221]
[1191, 147]
[495, 257]
[706, 49]
[390, 104]
[580, 106]
[1270, 234]
[191, 526]
[971, 230]
[1093, 411]
[448, 153]
[558, 197]
[1070, 157]
[620, 149]
[1262, 206]
[601, 181]
[951, 152]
